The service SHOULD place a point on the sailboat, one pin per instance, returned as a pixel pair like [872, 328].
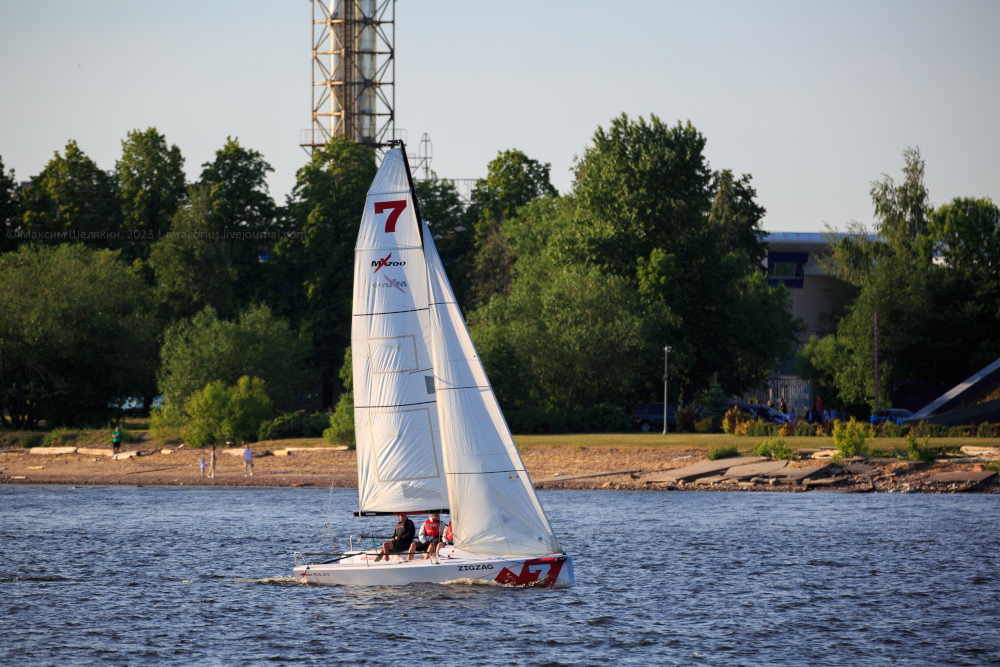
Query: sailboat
[431, 437]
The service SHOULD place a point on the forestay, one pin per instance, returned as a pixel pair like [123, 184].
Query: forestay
[395, 415]
[494, 509]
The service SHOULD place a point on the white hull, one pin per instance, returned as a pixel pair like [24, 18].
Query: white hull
[453, 566]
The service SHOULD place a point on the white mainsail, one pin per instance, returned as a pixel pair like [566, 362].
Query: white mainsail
[400, 466]
[494, 509]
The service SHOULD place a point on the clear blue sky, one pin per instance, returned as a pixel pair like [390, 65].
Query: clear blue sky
[814, 99]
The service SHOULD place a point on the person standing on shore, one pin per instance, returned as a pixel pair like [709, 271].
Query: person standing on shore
[211, 463]
[203, 466]
[247, 460]
[116, 439]
[782, 408]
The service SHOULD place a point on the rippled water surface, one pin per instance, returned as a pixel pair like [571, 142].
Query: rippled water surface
[201, 576]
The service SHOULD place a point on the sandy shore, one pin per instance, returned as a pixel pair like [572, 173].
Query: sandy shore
[319, 466]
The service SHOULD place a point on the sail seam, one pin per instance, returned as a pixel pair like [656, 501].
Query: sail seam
[391, 405]
[488, 472]
[390, 312]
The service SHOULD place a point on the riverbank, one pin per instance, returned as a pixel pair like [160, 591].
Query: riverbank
[588, 461]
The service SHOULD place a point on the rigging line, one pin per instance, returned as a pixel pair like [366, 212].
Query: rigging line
[391, 312]
[391, 405]
[487, 472]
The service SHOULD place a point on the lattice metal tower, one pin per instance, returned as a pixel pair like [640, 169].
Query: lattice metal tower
[354, 72]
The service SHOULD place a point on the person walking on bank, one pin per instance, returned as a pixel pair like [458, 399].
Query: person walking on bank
[247, 460]
[211, 463]
[116, 439]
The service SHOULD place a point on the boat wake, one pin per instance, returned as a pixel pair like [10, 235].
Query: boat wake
[273, 581]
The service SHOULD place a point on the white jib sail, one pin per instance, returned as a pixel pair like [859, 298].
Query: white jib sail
[395, 416]
[494, 509]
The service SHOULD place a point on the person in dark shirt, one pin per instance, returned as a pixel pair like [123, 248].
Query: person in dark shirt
[401, 539]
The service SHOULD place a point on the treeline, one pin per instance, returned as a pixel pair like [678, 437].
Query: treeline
[933, 277]
[132, 284]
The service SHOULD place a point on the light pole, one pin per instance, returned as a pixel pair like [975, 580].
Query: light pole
[666, 351]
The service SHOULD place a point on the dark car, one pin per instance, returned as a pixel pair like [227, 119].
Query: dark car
[894, 415]
[648, 417]
[762, 412]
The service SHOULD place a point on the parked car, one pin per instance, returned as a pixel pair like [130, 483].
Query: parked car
[761, 411]
[895, 415]
[648, 417]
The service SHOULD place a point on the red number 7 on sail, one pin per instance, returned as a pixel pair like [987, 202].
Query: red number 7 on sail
[395, 207]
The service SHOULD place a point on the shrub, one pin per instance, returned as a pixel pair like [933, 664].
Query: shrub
[603, 418]
[294, 425]
[960, 432]
[775, 449]
[726, 452]
[166, 422]
[24, 439]
[704, 425]
[59, 437]
[786, 430]
[852, 438]
[919, 452]
[341, 431]
[804, 429]
[928, 430]
[762, 429]
[686, 416]
[713, 399]
[732, 417]
[894, 430]
[219, 413]
[742, 428]
[987, 430]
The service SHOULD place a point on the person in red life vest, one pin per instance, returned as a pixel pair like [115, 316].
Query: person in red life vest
[428, 537]
[449, 539]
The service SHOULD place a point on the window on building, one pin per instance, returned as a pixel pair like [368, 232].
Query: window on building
[784, 270]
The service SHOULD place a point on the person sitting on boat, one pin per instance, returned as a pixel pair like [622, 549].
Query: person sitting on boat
[449, 539]
[401, 539]
[428, 537]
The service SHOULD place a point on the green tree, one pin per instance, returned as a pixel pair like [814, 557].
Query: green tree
[566, 337]
[151, 184]
[650, 210]
[10, 208]
[191, 263]
[75, 336]
[72, 200]
[642, 186]
[207, 349]
[454, 237]
[314, 264]
[218, 414]
[735, 218]
[244, 213]
[936, 319]
[341, 431]
[512, 181]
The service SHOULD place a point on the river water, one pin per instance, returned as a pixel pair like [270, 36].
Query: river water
[201, 576]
